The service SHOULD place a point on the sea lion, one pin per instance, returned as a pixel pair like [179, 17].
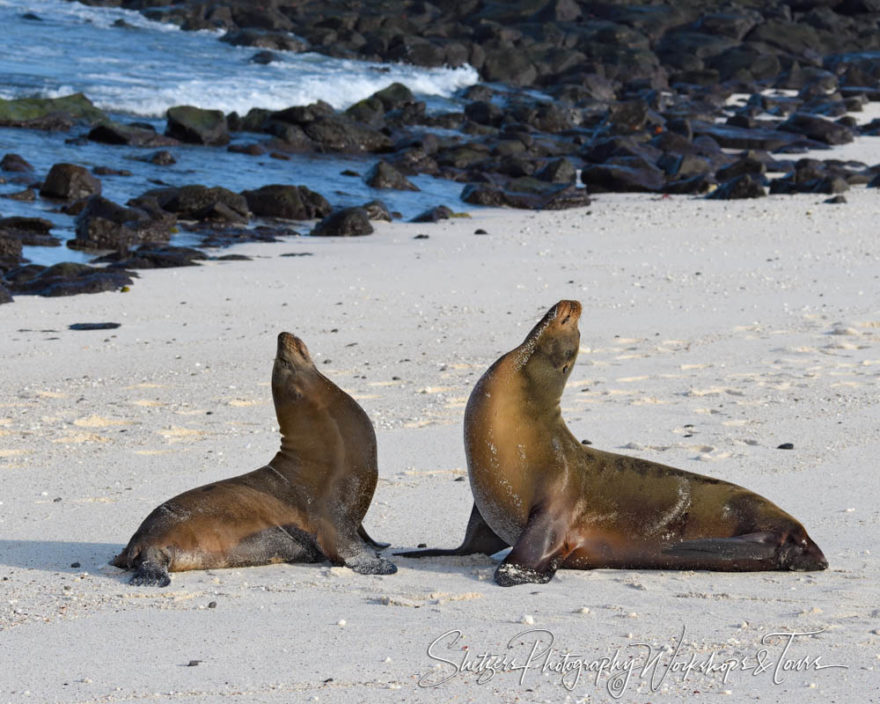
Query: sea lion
[560, 503]
[305, 505]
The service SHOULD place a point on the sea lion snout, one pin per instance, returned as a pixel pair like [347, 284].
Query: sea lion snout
[802, 555]
[292, 349]
[567, 312]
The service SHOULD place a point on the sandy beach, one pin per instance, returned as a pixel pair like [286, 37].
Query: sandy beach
[712, 333]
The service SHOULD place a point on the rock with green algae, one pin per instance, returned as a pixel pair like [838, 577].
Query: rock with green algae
[49, 113]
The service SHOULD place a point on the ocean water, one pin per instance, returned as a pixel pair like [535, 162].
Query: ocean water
[138, 72]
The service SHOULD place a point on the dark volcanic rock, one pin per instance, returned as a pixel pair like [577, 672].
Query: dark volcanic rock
[336, 133]
[435, 214]
[15, 164]
[348, 222]
[630, 174]
[550, 197]
[732, 137]
[197, 126]
[377, 210]
[280, 41]
[384, 175]
[131, 135]
[32, 232]
[69, 182]
[5, 295]
[150, 256]
[287, 202]
[558, 171]
[818, 128]
[201, 203]
[105, 225]
[745, 186]
[65, 279]
[10, 251]
[26, 195]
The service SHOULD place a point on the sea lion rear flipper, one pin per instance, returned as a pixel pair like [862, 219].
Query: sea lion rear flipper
[715, 553]
[369, 541]
[538, 551]
[478, 537]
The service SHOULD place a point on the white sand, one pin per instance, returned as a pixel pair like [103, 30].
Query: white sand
[712, 333]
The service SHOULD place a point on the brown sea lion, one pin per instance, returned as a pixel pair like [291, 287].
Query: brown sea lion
[305, 505]
[562, 504]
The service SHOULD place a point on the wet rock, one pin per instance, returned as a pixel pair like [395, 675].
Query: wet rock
[69, 182]
[384, 175]
[264, 58]
[109, 171]
[150, 256]
[49, 113]
[279, 41]
[818, 128]
[15, 164]
[435, 214]
[105, 225]
[201, 203]
[484, 112]
[131, 135]
[338, 134]
[161, 158]
[10, 251]
[5, 295]
[745, 186]
[348, 222]
[252, 149]
[218, 235]
[394, 96]
[287, 202]
[31, 232]
[197, 126]
[65, 279]
[27, 195]
[508, 65]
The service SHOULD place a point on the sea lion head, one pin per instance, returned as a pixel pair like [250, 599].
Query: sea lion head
[293, 375]
[548, 353]
[798, 552]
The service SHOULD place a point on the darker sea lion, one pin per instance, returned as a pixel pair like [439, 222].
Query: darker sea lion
[562, 504]
[305, 505]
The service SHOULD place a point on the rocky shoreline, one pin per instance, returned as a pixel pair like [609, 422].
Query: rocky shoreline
[669, 98]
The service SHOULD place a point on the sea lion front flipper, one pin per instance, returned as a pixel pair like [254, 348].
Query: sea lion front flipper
[538, 552]
[362, 532]
[150, 569]
[478, 537]
[350, 549]
[716, 553]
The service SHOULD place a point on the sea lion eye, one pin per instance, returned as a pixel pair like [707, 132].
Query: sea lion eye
[564, 368]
